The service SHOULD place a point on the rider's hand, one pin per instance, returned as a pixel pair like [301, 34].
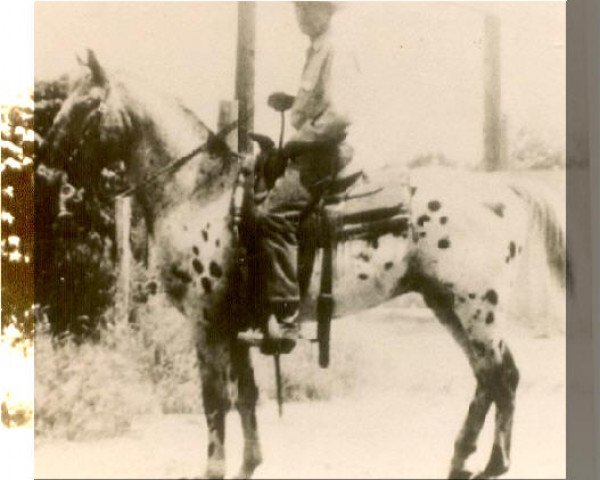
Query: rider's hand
[248, 164]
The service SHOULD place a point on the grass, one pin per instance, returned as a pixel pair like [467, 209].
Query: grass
[94, 390]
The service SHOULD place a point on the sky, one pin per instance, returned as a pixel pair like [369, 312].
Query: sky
[422, 63]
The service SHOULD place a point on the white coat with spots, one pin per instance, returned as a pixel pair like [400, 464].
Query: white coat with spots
[466, 232]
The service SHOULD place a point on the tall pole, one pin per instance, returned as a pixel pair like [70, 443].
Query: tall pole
[244, 77]
[492, 132]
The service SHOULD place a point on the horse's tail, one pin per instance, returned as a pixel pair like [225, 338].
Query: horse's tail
[547, 220]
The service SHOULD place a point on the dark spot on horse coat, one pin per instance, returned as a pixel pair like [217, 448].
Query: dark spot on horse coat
[422, 234]
[206, 284]
[363, 276]
[478, 347]
[215, 270]
[477, 313]
[181, 274]
[444, 243]
[374, 243]
[434, 205]
[211, 449]
[497, 208]
[217, 243]
[388, 265]
[461, 299]
[364, 257]
[489, 318]
[197, 264]
[403, 233]
[512, 249]
[491, 296]
[472, 296]
[443, 220]
[176, 282]
[413, 190]
[422, 219]
[195, 250]
[205, 235]
[152, 287]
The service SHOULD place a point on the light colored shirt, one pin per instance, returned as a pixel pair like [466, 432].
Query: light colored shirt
[324, 107]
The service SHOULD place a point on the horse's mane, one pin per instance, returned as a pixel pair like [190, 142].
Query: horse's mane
[174, 123]
[103, 123]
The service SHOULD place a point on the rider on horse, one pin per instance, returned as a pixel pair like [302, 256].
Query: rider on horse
[321, 115]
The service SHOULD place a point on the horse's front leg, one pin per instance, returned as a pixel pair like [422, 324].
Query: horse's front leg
[215, 362]
[246, 406]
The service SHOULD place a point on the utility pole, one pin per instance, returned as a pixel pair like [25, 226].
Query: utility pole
[244, 75]
[492, 128]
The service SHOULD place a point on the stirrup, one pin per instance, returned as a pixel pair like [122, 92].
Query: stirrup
[274, 339]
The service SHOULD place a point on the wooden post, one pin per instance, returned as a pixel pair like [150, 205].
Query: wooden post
[123, 230]
[244, 77]
[505, 162]
[228, 113]
[492, 94]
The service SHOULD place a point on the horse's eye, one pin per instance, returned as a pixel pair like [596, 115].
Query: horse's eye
[92, 101]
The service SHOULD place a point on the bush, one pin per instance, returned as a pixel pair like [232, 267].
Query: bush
[74, 225]
[532, 153]
[91, 389]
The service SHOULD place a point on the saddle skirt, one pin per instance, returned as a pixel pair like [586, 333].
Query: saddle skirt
[356, 208]
[348, 210]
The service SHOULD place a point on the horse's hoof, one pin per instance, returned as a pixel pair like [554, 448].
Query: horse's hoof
[243, 475]
[485, 475]
[214, 474]
[247, 470]
[460, 475]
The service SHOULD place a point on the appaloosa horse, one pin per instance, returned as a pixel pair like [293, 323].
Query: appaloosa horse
[466, 231]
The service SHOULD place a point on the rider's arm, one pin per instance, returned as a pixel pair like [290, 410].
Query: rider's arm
[341, 86]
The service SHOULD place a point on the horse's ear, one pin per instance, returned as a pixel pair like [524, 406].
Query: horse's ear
[98, 73]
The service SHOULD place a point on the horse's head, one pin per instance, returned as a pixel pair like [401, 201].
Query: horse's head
[93, 126]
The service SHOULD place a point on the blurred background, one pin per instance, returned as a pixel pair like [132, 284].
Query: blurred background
[422, 64]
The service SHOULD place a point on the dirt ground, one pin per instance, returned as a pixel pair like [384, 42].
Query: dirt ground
[402, 424]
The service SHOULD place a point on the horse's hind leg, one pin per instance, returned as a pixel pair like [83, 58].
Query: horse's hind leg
[503, 380]
[497, 380]
[246, 406]
[472, 324]
[214, 359]
[466, 443]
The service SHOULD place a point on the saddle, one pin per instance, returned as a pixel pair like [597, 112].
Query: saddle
[343, 212]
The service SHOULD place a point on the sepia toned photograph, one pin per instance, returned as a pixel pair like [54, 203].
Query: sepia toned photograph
[289, 240]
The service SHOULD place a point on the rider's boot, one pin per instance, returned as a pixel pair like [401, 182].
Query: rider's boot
[282, 329]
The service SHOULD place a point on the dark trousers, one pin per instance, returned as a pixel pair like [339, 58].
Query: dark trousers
[287, 202]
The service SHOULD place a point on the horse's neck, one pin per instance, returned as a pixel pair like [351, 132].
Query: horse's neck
[167, 132]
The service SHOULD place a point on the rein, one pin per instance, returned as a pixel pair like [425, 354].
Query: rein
[181, 161]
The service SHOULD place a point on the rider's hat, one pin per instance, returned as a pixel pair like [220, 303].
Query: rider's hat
[335, 6]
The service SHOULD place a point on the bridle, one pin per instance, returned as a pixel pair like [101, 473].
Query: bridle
[214, 140]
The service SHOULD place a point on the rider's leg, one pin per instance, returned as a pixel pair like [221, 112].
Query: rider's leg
[278, 219]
